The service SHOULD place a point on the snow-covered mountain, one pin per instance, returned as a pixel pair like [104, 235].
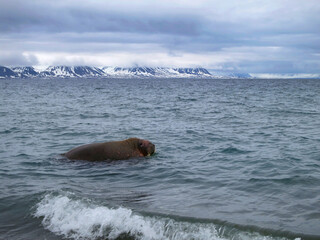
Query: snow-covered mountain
[71, 72]
[25, 72]
[228, 74]
[134, 72]
[7, 72]
[239, 75]
[192, 71]
[158, 72]
[112, 72]
[129, 72]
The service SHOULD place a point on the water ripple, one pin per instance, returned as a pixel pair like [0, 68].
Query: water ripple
[241, 151]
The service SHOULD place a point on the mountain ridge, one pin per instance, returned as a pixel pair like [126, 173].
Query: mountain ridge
[112, 72]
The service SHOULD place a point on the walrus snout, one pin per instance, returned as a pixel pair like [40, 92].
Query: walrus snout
[152, 149]
[147, 148]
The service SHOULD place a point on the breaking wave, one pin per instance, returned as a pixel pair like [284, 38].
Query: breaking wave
[72, 218]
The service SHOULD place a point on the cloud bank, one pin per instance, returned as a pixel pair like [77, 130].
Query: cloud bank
[275, 36]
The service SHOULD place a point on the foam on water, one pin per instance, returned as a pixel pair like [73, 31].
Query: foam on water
[82, 219]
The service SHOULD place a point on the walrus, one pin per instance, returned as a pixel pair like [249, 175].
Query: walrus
[116, 150]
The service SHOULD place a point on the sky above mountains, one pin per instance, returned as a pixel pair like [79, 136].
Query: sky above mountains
[274, 36]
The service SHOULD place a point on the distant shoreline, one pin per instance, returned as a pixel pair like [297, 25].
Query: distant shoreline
[75, 72]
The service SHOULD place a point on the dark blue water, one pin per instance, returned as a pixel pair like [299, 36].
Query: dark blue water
[236, 159]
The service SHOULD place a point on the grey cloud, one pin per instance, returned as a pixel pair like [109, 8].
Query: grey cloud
[276, 66]
[167, 26]
[27, 17]
[17, 59]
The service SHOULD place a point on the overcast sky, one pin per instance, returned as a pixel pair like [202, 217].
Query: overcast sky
[270, 36]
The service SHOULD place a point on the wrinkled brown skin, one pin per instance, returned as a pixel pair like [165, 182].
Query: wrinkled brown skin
[117, 150]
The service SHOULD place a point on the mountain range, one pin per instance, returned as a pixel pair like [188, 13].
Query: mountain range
[113, 72]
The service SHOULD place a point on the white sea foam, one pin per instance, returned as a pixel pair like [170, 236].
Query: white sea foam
[79, 219]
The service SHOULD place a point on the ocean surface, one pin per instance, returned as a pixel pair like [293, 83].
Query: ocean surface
[235, 159]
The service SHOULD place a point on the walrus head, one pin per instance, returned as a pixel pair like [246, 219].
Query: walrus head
[146, 147]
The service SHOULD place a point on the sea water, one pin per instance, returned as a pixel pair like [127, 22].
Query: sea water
[235, 159]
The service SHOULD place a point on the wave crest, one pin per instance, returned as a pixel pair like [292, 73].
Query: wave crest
[80, 219]
[84, 220]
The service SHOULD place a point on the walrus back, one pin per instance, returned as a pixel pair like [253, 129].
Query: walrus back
[117, 150]
[90, 152]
